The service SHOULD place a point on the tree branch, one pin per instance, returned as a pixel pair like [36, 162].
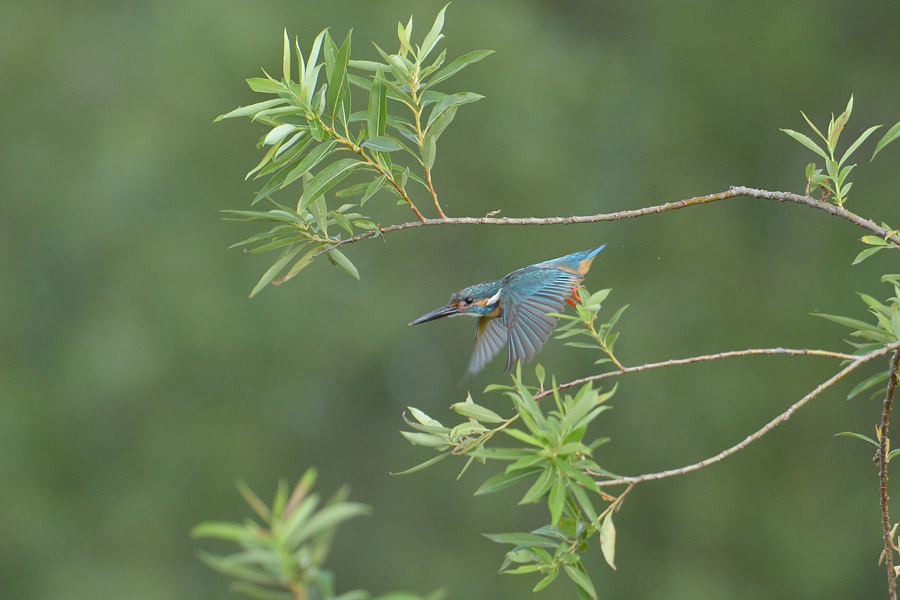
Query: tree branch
[703, 358]
[882, 474]
[733, 192]
[784, 416]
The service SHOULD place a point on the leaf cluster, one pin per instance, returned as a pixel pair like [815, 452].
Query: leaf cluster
[552, 454]
[872, 336]
[833, 180]
[281, 555]
[584, 324]
[316, 139]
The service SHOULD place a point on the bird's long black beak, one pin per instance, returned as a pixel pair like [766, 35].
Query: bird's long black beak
[444, 311]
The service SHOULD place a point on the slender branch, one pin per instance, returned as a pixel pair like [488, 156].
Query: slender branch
[733, 192]
[434, 194]
[703, 358]
[375, 165]
[784, 416]
[882, 473]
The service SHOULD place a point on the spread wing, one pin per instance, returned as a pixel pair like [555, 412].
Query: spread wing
[490, 337]
[526, 299]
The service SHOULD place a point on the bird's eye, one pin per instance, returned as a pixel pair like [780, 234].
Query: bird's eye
[468, 301]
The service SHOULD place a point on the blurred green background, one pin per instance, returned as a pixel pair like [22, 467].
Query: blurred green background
[137, 381]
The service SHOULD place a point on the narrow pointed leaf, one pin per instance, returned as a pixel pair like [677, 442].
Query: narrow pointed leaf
[383, 144]
[452, 100]
[459, 64]
[504, 480]
[477, 412]
[434, 35]
[581, 580]
[806, 141]
[266, 86]
[608, 540]
[326, 179]
[250, 109]
[343, 262]
[308, 162]
[286, 256]
[892, 134]
[424, 465]
[557, 499]
[858, 436]
[521, 539]
[865, 134]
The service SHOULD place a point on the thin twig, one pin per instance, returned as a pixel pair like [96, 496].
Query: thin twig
[882, 474]
[703, 358]
[784, 416]
[732, 192]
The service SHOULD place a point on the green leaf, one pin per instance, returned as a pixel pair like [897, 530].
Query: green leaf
[475, 411]
[326, 179]
[424, 465]
[343, 262]
[557, 499]
[222, 530]
[308, 162]
[449, 101]
[524, 437]
[858, 436]
[608, 540]
[546, 580]
[847, 321]
[383, 144]
[342, 222]
[434, 35]
[866, 253]
[581, 580]
[376, 116]
[373, 189]
[457, 65]
[338, 84]
[250, 109]
[892, 134]
[521, 539]
[238, 571]
[806, 141]
[502, 481]
[540, 487]
[439, 125]
[425, 439]
[865, 134]
[266, 86]
[365, 65]
[278, 133]
[328, 518]
[286, 58]
[287, 255]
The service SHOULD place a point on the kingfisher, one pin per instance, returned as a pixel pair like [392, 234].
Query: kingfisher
[515, 311]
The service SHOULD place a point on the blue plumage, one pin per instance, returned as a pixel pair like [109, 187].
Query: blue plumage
[514, 311]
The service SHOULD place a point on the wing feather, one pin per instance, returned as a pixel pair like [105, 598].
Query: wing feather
[525, 314]
[490, 337]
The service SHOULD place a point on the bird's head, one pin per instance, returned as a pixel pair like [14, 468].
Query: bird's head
[477, 301]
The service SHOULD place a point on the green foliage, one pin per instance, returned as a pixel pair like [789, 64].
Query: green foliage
[834, 178]
[872, 336]
[602, 336]
[282, 555]
[551, 452]
[316, 138]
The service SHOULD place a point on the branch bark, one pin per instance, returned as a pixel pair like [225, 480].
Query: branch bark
[883, 449]
[733, 192]
[784, 416]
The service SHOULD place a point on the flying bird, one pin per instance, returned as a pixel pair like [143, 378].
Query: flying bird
[514, 311]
